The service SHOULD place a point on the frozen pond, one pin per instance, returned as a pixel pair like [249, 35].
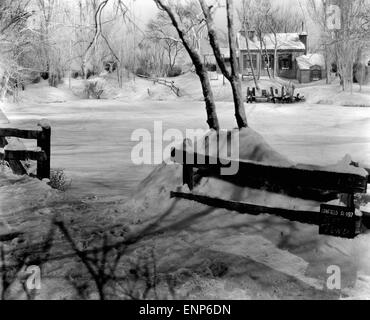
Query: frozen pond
[91, 139]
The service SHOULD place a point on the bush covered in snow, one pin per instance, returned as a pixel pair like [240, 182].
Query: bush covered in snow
[94, 88]
[58, 180]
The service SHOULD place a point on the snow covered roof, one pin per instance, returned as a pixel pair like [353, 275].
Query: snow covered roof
[305, 62]
[285, 41]
[206, 49]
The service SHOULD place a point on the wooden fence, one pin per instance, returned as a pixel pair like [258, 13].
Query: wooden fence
[303, 181]
[170, 84]
[304, 177]
[15, 153]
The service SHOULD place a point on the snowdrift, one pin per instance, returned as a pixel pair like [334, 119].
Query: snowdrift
[153, 192]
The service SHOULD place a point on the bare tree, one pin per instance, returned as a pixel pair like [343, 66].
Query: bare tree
[14, 45]
[233, 75]
[245, 19]
[355, 30]
[279, 20]
[343, 44]
[162, 31]
[177, 21]
[97, 10]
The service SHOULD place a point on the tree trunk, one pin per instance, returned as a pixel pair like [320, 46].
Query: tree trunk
[268, 60]
[235, 82]
[232, 77]
[240, 116]
[326, 63]
[275, 56]
[250, 57]
[200, 69]
[212, 119]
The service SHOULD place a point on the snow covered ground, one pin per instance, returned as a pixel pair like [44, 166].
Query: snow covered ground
[213, 253]
[91, 138]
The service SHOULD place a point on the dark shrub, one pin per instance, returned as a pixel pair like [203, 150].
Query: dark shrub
[16, 84]
[75, 74]
[94, 89]
[110, 66]
[55, 79]
[174, 72]
[34, 77]
[44, 75]
[360, 73]
[89, 74]
[334, 68]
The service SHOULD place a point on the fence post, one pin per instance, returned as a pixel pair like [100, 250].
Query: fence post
[43, 142]
[187, 168]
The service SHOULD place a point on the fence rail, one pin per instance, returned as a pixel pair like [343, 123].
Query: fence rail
[14, 152]
[301, 181]
[303, 177]
[170, 84]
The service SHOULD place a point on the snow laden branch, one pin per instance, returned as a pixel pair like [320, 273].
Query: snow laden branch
[97, 20]
[161, 31]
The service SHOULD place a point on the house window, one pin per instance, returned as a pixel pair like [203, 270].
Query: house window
[268, 62]
[211, 67]
[285, 62]
[246, 63]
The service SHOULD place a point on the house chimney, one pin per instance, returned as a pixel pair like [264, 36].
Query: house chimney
[303, 38]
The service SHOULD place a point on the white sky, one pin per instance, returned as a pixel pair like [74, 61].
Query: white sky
[146, 9]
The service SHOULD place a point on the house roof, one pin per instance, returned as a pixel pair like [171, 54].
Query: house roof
[305, 62]
[285, 41]
[206, 49]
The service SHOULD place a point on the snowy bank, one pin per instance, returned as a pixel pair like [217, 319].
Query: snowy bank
[266, 254]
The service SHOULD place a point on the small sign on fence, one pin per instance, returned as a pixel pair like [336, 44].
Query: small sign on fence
[339, 221]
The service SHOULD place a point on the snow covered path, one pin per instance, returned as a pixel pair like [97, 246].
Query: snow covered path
[91, 138]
